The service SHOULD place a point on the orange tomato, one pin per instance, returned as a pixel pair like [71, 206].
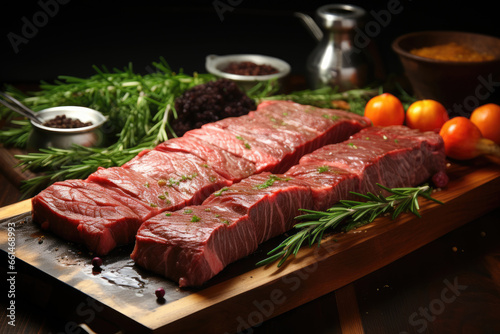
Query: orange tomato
[487, 119]
[426, 115]
[461, 138]
[385, 109]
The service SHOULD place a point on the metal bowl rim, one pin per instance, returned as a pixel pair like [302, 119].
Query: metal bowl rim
[213, 61]
[96, 117]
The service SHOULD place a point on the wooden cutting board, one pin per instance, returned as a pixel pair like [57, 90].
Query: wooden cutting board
[244, 295]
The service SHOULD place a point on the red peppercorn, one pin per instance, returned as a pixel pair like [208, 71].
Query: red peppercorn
[160, 293]
[97, 262]
[440, 179]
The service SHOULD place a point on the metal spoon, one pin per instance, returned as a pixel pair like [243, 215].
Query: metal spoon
[19, 107]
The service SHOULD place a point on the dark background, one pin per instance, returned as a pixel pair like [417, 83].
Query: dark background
[78, 34]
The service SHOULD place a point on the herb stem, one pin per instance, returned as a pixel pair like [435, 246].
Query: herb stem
[349, 214]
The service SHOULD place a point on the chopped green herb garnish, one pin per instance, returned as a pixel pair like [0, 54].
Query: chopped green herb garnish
[153, 205]
[221, 191]
[146, 184]
[188, 177]
[168, 214]
[195, 219]
[332, 117]
[172, 182]
[247, 146]
[270, 181]
[225, 222]
[162, 197]
[323, 169]
[352, 145]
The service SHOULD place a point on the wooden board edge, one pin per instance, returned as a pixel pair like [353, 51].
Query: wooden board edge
[15, 209]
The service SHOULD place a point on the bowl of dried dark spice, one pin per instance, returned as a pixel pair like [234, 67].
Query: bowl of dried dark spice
[247, 69]
[64, 126]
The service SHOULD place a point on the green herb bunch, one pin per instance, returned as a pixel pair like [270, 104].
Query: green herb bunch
[348, 214]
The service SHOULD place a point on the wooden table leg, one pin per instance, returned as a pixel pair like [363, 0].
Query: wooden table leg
[350, 319]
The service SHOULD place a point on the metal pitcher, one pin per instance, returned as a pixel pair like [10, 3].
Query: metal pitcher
[336, 61]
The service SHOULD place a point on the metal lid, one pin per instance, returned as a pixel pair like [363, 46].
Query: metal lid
[340, 16]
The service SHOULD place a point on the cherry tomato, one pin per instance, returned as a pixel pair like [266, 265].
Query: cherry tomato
[461, 138]
[426, 115]
[385, 109]
[487, 119]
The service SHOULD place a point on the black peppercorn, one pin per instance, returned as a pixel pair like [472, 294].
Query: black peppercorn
[63, 122]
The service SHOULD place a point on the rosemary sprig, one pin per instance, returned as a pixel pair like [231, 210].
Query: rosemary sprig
[350, 214]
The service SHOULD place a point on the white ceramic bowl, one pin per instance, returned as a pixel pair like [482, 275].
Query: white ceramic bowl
[216, 64]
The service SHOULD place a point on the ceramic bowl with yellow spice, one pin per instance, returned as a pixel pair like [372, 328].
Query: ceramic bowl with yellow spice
[459, 69]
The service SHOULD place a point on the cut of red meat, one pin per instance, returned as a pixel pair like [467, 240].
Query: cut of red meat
[279, 132]
[226, 164]
[267, 203]
[192, 245]
[217, 237]
[328, 184]
[181, 172]
[325, 122]
[284, 141]
[87, 213]
[393, 156]
[143, 188]
[264, 157]
[268, 199]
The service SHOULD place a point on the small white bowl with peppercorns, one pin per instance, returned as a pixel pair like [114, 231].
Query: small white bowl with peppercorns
[64, 126]
[247, 69]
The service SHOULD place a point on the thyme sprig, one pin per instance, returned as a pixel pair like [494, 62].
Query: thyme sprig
[349, 214]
